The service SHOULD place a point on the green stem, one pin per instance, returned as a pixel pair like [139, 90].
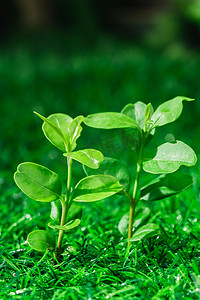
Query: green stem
[65, 207]
[134, 200]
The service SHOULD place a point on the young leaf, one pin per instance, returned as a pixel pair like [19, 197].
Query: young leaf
[146, 231]
[169, 111]
[141, 216]
[169, 157]
[68, 226]
[56, 130]
[109, 120]
[96, 187]
[75, 131]
[74, 212]
[38, 182]
[41, 240]
[140, 109]
[148, 112]
[129, 111]
[56, 209]
[88, 157]
[136, 112]
[165, 186]
[113, 167]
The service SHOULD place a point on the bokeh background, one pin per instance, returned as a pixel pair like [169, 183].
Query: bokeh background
[86, 56]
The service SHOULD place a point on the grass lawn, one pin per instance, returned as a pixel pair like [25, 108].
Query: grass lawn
[53, 76]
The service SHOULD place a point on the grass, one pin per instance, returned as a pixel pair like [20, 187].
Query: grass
[84, 81]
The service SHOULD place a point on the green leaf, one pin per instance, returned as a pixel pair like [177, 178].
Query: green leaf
[140, 113]
[165, 186]
[148, 112]
[129, 111]
[75, 131]
[88, 157]
[140, 109]
[169, 111]
[146, 231]
[56, 209]
[109, 120]
[74, 212]
[68, 226]
[136, 111]
[113, 167]
[41, 240]
[169, 157]
[141, 216]
[38, 182]
[96, 187]
[56, 130]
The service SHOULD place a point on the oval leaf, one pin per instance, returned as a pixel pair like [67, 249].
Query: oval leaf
[169, 111]
[41, 240]
[141, 216]
[146, 231]
[165, 186]
[68, 226]
[109, 120]
[56, 130]
[113, 167]
[38, 182]
[96, 187]
[169, 157]
[89, 157]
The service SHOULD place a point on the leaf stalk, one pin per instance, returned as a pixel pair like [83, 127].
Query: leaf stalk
[65, 207]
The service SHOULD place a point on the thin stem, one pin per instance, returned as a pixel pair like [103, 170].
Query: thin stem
[134, 200]
[65, 207]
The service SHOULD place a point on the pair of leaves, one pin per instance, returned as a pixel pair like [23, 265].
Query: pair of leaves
[138, 114]
[138, 117]
[41, 184]
[61, 130]
[68, 226]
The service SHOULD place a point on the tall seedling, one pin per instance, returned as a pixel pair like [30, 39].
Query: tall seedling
[139, 122]
[42, 184]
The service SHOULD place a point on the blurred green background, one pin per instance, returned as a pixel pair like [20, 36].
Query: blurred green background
[80, 57]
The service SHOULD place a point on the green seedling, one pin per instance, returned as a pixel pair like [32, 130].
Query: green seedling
[42, 184]
[138, 123]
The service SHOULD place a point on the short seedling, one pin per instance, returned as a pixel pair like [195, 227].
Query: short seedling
[42, 184]
[139, 122]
